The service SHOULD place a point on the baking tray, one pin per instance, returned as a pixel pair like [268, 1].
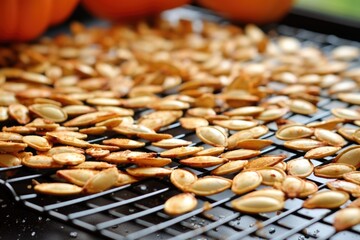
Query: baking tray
[135, 211]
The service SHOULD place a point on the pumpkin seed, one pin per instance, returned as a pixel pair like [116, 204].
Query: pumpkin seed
[149, 172]
[180, 204]
[345, 53]
[171, 143]
[272, 114]
[203, 161]
[9, 136]
[346, 218]
[329, 124]
[94, 130]
[123, 157]
[254, 144]
[235, 124]
[265, 161]
[213, 151]
[97, 152]
[37, 142]
[304, 144]
[192, 123]
[245, 111]
[124, 179]
[240, 154]
[101, 181]
[11, 147]
[201, 112]
[326, 199]
[290, 132]
[212, 136]
[302, 107]
[154, 137]
[353, 176]
[300, 167]
[229, 167]
[61, 149]
[57, 189]
[93, 165]
[293, 186]
[346, 113]
[9, 160]
[49, 111]
[281, 165]
[271, 175]
[266, 192]
[182, 178]
[251, 133]
[257, 204]
[246, 181]
[180, 152]
[89, 119]
[40, 161]
[76, 176]
[68, 158]
[333, 170]
[309, 189]
[124, 143]
[347, 133]
[321, 152]
[350, 156]
[345, 186]
[209, 185]
[329, 137]
[19, 112]
[150, 161]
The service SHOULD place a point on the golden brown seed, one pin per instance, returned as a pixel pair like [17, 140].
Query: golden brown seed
[346, 113]
[326, 199]
[11, 147]
[68, 158]
[101, 181]
[329, 137]
[171, 143]
[240, 154]
[272, 114]
[329, 124]
[40, 161]
[333, 170]
[212, 136]
[57, 189]
[193, 122]
[346, 218]
[321, 152]
[251, 133]
[309, 189]
[37, 142]
[203, 161]
[9, 136]
[168, 104]
[245, 111]
[56, 134]
[124, 143]
[353, 98]
[154, 137]
[4, 115]
[265, 161]
[9, 160]
[49, 111]
[209, 185]
[293, 186]
[158, 119]
[97, 152]
[94, 130]
[90, 119]
[266, 192]
[110, 123]
[103, 101]
[122, 112]
[62, 149]
[19, 112]
[150, 161]
[236, 124]
[281, 165]
[257, 204]
[300, 167]
[180, 204]
[149, 172]
[93, 165]
[76, 110]
[76, 176]
[201, 112]
[19, 129]
[350, 156]
[272, 175]
[290, 132]
[124, 179]
[72, 141]
[353, 176]
[182, 178]
[213, 151]
[302, 107]
[229, 167]
[254, 144]
[356, 136]
[122, 157]
[345, 186]
[180, 152]
[304, 144]
[246, 181]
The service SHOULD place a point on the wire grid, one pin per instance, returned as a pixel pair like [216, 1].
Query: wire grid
[136, 211]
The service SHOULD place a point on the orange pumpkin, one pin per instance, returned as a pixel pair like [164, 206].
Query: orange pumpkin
[250, 11]
[129, 9]
[22, 20]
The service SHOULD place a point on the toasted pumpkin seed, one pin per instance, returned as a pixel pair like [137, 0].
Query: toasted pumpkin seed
[182, 178]
[333, 170]
[209, 185]
[9, 136]
[353, 176]
[9, 160]
[58, 189]
[353, 98]
[309, 189]
[97, 152]
[290, 132]
[212, 136]
[19, 112]
[350, 156]
[49, 111]
[62, 149]
[180, 204]
[123, 157]
[240, 154]
[76, 176]
[149, 172]
[257, 204]
[326, 199]
[93, 165]
[271, 175]
[321, 152]
[345, 186]
[304, 144]
[203, 161]
[229, 167]
[89, 119]
[251, 133]
[171, 143]
[254, 144]
[150, 161]
[213, 151]
[266, 192]
[346, 218]
[246, 181]
[245, 111]
[329, 124]
[11, 147]
[40, 161]
[37, 142]
[346, 113]
[329, 137]
[293, 186]
[193, 122]
[101, 181]
[180, 152]
[302, 107]
[124, 143]
[265, 161]
[300, 167]
[236, 124]
[68, 158]
[272, 114]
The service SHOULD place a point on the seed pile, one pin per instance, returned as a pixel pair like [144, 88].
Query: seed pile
[225, 84]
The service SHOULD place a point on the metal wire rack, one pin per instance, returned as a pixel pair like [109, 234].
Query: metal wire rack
[136, 211]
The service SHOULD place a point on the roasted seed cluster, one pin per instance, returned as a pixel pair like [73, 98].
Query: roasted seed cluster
[223, 83]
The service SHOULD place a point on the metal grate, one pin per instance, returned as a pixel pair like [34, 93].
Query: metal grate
[136, 211]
